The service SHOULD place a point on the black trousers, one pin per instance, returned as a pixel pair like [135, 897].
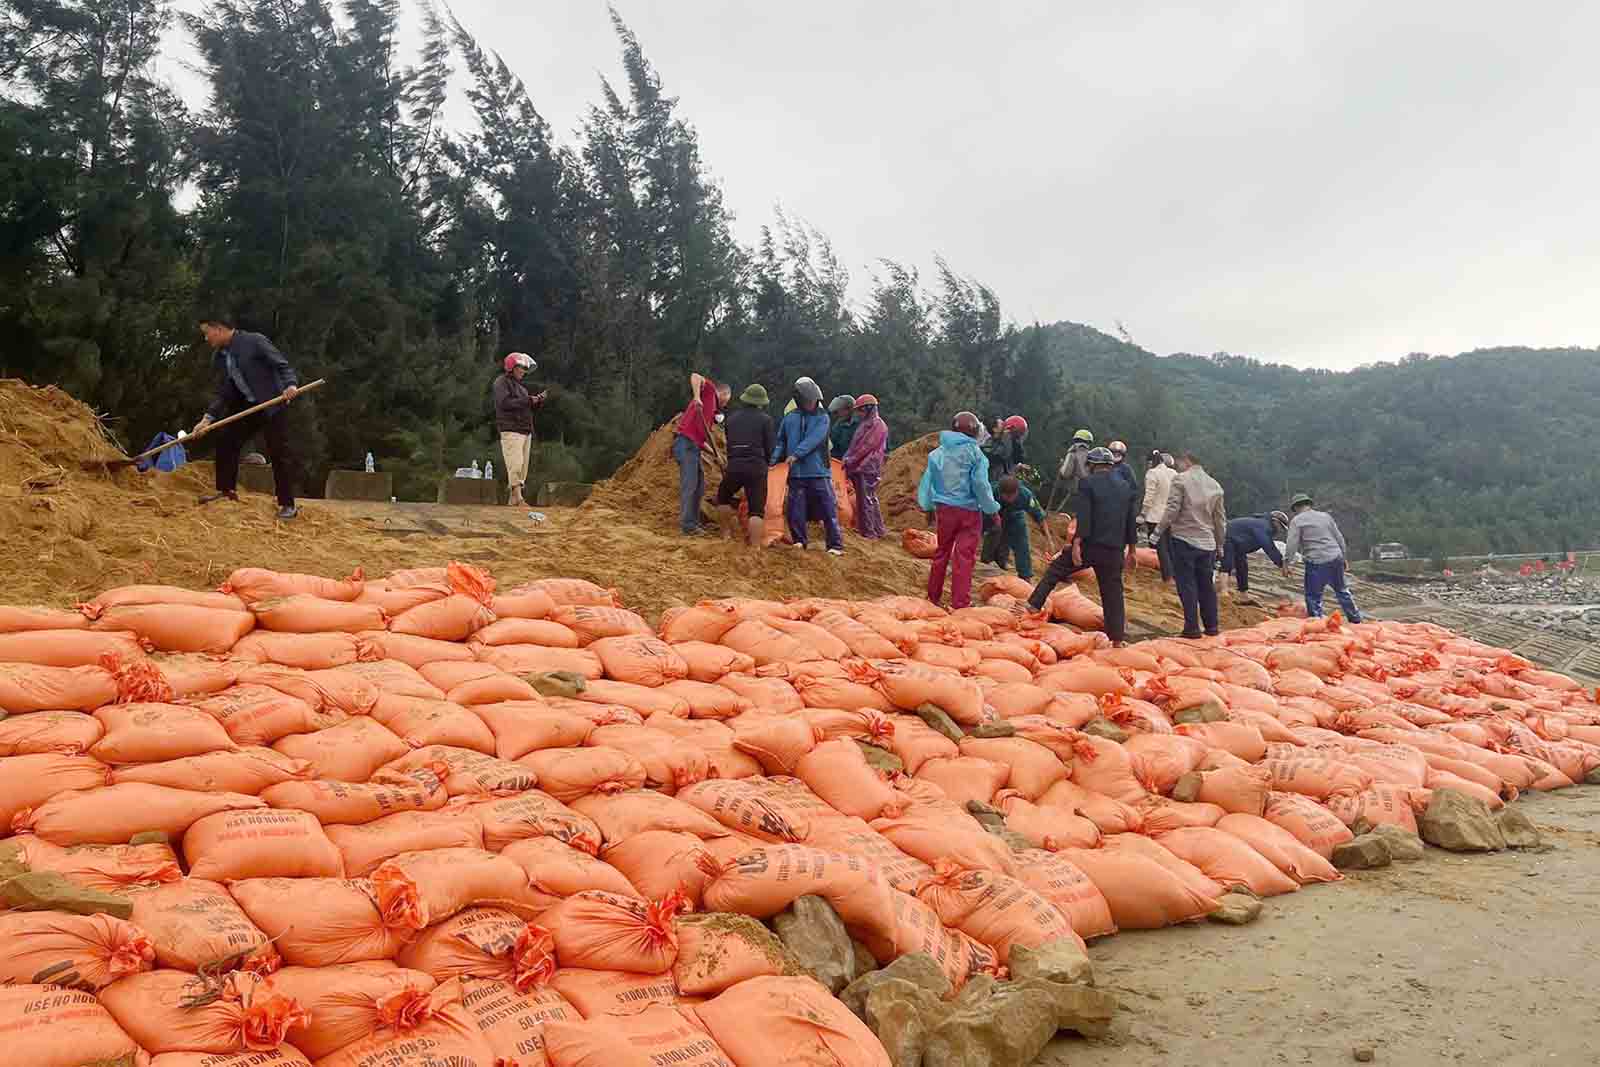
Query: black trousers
[273, 426]
[1235, 559]
[1194, 569]
[1107, 564]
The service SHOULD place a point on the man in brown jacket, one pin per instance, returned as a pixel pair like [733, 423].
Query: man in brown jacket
[1198, 521]
[513, 417]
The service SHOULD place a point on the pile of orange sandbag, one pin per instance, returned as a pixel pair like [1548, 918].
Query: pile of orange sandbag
[424, 814]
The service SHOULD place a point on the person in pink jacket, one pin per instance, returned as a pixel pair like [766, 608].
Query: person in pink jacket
[863, 465]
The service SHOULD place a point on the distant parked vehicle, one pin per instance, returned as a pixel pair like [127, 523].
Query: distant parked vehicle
[1390, 550]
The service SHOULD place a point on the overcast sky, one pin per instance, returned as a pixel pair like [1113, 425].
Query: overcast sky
[1321, 184]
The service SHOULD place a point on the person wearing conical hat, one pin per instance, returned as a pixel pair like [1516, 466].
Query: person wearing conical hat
[751, 439]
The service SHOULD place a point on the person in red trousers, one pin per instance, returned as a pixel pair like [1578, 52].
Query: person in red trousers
[956, 497]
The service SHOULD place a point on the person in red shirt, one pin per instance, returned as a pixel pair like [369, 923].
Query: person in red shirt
[707, 399]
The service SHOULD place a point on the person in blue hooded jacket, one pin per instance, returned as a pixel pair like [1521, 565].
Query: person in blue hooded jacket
[803, 441]
[1252, 533]
[956, 496]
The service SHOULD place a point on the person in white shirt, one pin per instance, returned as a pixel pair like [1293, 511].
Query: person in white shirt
[1198, 522]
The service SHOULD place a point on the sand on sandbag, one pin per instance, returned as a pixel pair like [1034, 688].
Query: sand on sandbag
[647, 484]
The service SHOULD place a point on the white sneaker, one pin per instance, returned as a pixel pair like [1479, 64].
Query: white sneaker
[835, 551]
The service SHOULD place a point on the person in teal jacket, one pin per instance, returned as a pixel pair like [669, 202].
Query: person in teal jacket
[842, 410]
[1017, 506]
[955, 495]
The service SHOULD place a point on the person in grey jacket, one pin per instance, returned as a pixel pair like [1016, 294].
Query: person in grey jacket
[1315, 535]
[1075, 467]
[1198, 522]
[250, 371]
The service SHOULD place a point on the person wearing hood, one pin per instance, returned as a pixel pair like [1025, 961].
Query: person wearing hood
[956, 496]
[863, 465]
[803, 442]
[1074, 467]
[1251, 533]
[842, 410]
[514, 406]
[751, 439]
[706, 401]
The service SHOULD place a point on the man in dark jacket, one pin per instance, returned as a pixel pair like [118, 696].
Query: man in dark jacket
[513, 418]
[751, 439]
[1119, 454]
[1106, 535]
[250, 371]
[803, 442]
[1252, 533]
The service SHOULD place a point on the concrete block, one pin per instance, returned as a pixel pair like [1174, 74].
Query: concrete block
[469, 491]
[256, 478]
[359, 485]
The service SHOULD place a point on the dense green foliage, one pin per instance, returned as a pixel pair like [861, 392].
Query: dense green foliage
[328, 206]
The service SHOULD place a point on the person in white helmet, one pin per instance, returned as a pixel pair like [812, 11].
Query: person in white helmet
[513, 417]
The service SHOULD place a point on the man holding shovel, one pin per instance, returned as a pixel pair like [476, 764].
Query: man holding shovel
[250, 371]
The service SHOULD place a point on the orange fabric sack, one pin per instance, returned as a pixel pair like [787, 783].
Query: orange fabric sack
[1227, 860]
[920, 543]
[282, 1056]
[109, 868]
[1236, 790]
[364, 847]
[747, 809]
[417, 889]
[766, 644]
[570, 591]
[415, 652]
[395, 600]
[960, 660]
[523, 726]
[256, 583]
[1085, 676]
[305, 614]
[178, 627]
[67, 733]
[1158, 815]
[335, 803]
[319, 922]
[1159, 760]
[659, 863]
[28, 781]
[1049, 828]
[1105, 767]
[788, 1021]
[647, 701]
[1141, 893]
[831, 692]
[66, 648]
[560, 870]
[163, 594]
[1034, 768]
[344, 1003]
[537, 659]
[994, 909]
[648, 1038]
[762, 881]
[669, 763]
[1312, 824]
[703, 623]
[858, 637]
[1003, 670]
[966, 778]
[1188, 873]
[715, 953]
[1070, 606]
[193, 924]
[640, 659]
[594, 622]
[771, 695]
[597, 994]
[1316, 778]
[1111, 816]
[16, 620]
[1280, 848]
[621, 815]
[506, 820]
[934, 835]
[909, 686]
[387, 677]
[528, 632]
[439, 1029]
[525, 604]
[168, 1011]
[454, 618]
[483, 943]
[340, 690]
[918, 929]
[711, 663]
[915, 742]
[25, 687]
[260, 844]
[1381, 805]
[838, 773]
[260, 715]
[1241, 739]
[512, 1022]
[778, 742]
[420, 722]
[707, 701]
[813, 636]
[1061, 883]
[244, 770]
[33, 1019]
[1469, 786]
[350, 752]
[491, 689]
[75, 951]
[569, 774]
[151, 733]
[112, 814]
[608, 932]
[888, 626]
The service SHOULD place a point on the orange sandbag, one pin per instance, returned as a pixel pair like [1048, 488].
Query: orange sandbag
[178, 627]
[67, 733]
[772, 695]
[1382, 805]
[1005, 585]
[644, 699]
[419, 722]
[920, 543]
[778, 742]
[483, 943]
[788, 1021]
[162, 594]
[594, 623]
[1227, 860]
[1110, 815]
[26, 687]
[704, 623]
[16, 620]
[560, 870]
[570, 591]
[345, 1003]
[260, 844]
[1034, 768]
[622, 815]
[1141, 893]
[1316, 778]
[1158, 815]
[1050, 828]
[256, 583]
[305, 614]
[417, 889]
[961, 660]
[1085, 676]
[1003, 670]
[523, 604]
[1105, 767]
[934, 835]
[707, 701]
[1313, 825]
[827, 692]
[1440, 779]
[918, 929]
[151, 733]
[366, 846]
[761, 641]
[1241, 739]
[716, 952]
[966, 778]
[994, 909]
[109, 868]
[29, 781]
[194, 924]
[350, 752]
[747, 809]
[1237, 790]
[646, 1038]
[516, 631]
[1070, 606]
[711, 663]
[1056, 879]
[909, 686]
[1159, 760]
[491, 689]
[259, 715]
[396, 600]
[413, 651]
[639, 659]
[609, 932]
[915, 742]
[320, 922]
[505, 820]
[764, 880]
[813, 636]
[860, 639]
[76, 951]
[438, 1031]
[112, 814]
[571, 773]
[520, 727]
[336, 803]
[838, 773]
[512, 1022]
[246, 770]
[342, 689]
[34, 1020]
[1280, 848]
[669, 764]
[171, 1011]
[538, 659]
[454, 618]
[66, 648]
[602, 993]
[282, 1056]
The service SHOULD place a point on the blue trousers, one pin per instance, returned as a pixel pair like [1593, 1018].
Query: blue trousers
[1192, 569]
[691, 483]
[811, 499]
[1319, 576]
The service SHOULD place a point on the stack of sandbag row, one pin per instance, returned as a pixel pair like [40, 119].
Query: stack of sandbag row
[528, 827]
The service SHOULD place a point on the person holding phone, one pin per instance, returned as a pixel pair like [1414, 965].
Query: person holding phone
[513, 417]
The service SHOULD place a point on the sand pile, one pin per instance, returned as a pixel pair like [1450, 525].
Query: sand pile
[647, 485]
[902, 471]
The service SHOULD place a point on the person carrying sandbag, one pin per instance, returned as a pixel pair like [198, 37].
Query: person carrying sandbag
[1317, 536]
[250, 371]
[1107, 532]
[707, 399]
[956, 497]
[803, 442]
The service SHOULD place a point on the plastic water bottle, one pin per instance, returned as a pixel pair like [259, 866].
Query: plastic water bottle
[370, 467]
[488, 469]
[476, 473]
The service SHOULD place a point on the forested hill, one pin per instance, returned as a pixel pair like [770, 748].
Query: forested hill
[1492, 450]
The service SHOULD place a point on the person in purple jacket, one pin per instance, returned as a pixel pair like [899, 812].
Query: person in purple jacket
[863, 465]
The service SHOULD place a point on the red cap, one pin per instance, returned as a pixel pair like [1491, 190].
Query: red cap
[1015, 422]
[866, 398]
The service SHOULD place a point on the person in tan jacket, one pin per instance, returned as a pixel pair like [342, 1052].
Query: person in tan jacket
[1197, 519]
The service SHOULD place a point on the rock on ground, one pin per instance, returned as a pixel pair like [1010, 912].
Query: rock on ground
[1363, 853]
[918, 968]
[1061, 960]
[1460, 823]
[1237, 909]
[1518, 829]
[815, 935]
[1404, 846]
[1011, 1026]
[903, 1015]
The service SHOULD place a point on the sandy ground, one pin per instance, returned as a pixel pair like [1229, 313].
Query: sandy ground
[1451, 960]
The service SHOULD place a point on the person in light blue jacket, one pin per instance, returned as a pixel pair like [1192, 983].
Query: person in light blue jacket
[803, 442]
[956, 496]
